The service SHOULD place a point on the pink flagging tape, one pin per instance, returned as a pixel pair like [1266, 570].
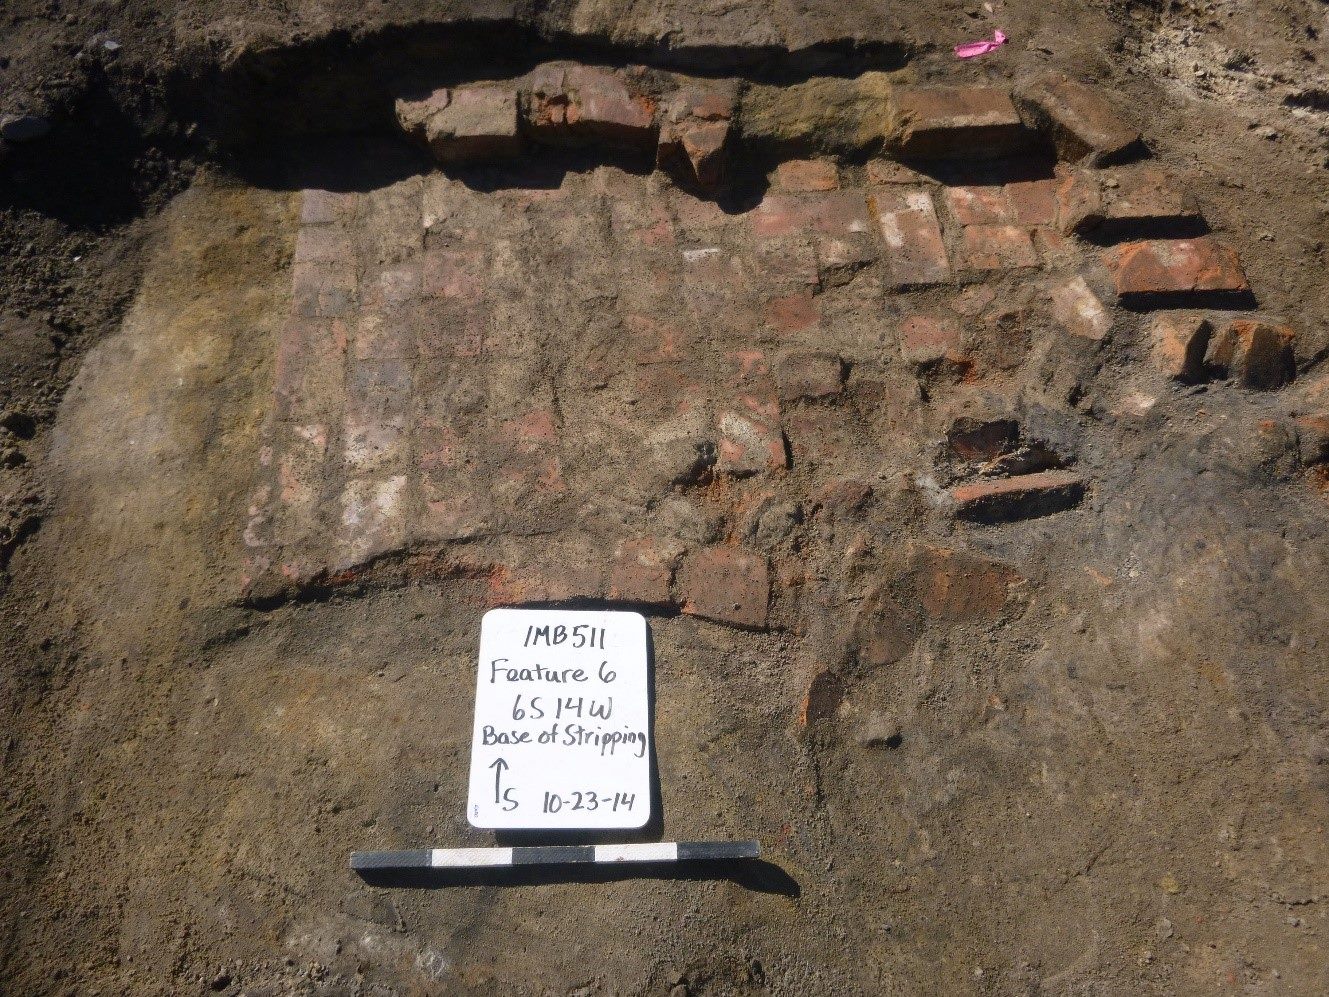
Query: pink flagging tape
[970, 50]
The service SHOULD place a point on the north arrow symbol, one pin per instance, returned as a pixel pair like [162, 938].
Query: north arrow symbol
[498, 765]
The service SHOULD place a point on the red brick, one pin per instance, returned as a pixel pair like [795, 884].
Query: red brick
[810, 375]
[455, 514]
[1180, 341]
[889, 171]
[1164, 268]
[1077, 309]
[998, 247]
[1254, 352]
[1081, 120]
[727, 585]
[952, 587]
[603, 105]
[1022, 497]
[309, 374]
[927, 339]
[802, 175]
[916, 255]
[587, 104]
[642, 571]
[453, 273]
[946, 121]
[1033, 202]
[323, 244]
[694, 150]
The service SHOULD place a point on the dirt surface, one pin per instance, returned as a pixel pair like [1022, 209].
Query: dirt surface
[1079, 750]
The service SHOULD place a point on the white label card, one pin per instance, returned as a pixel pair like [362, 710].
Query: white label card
[562, 721]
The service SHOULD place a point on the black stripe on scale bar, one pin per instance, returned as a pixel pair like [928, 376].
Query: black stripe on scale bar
[415, 858]
[553, 854]
[703, 851]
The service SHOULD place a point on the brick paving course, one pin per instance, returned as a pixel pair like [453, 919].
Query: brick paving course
[595, 380]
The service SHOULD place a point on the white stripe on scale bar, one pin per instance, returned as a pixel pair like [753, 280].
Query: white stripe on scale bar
[453, 858]
[662, 851]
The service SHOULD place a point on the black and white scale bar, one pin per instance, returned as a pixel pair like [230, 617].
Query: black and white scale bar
[485, 858]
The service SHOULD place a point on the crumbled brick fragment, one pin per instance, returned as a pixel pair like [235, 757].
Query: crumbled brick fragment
[842, 497]
[1077, 309]
[727, 585]
[809, 375]
[1081, 120]
[1000, 499]
[916, 255]
[1255, 353]
[1164, 268]
[972, 122]
[1180, 340]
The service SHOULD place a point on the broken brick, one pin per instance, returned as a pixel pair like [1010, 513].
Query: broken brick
[1079, 203]
[1180, 341]
[1077, 309]
[1022, 497]
[1159, 270]
[969, 121]
[1080, 120]
[916, 254]
[1142, 201]
[727, 585]
[1255, 353]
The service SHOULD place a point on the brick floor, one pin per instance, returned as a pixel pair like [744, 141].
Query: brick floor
[608, 363]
